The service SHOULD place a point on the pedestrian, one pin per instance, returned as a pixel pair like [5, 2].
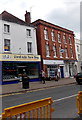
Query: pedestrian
[56, 75]
[42, 76]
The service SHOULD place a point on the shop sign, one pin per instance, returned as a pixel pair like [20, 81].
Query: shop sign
[17, 57]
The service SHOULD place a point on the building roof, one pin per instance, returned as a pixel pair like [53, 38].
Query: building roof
[11, 18]
[48, 24]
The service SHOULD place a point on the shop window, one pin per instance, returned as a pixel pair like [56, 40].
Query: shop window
[6, 28]
[45, 34]
[29, 47]
[6, 45]
[47, 50]
[53, 36]
[28, 32]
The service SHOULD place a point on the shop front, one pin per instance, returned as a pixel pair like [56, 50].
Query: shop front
[14, 66]
[52, 67]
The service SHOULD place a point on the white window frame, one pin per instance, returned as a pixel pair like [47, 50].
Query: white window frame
[64, 38]
[71, 52]
[70, 40]
[6, 28]
[28, 32]
[61, 54]
[45, 34]
[29, 47]
[66, 52]
[55, 51]
[47, 51]
[53, 35]
[59, 37]
[7, 44]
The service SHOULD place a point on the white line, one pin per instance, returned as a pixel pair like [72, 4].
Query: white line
[65, 98]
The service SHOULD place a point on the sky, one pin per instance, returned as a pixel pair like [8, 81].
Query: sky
[64, 13]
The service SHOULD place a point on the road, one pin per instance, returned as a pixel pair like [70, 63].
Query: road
[64, 99]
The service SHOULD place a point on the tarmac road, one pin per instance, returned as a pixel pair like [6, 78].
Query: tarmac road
[64, 99]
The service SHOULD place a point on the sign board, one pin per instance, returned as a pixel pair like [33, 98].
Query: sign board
[62, 50]
[18, 57]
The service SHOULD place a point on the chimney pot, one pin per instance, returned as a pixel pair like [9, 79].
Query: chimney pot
[27, 17]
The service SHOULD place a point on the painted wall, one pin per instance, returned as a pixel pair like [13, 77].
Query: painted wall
[19, 38]
[0, 36]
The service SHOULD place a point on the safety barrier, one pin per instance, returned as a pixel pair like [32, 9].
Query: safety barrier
[36, 109]
[79, 102]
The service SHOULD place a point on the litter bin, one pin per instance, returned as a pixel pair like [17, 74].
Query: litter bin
[25, 81]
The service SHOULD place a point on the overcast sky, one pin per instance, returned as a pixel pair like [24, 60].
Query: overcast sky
[65, 13]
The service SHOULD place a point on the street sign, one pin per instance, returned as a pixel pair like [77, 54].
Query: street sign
[61, 50]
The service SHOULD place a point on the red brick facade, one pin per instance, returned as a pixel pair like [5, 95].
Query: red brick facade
[41, 42]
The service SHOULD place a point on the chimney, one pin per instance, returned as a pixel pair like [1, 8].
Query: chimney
[27, 17]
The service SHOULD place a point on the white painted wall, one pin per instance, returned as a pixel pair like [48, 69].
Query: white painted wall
[1, 36]
[19, 38]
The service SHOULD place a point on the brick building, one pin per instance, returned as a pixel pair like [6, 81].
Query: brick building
[56, 46]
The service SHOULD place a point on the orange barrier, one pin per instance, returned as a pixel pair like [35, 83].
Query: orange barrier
[79, 102]
[36, 109]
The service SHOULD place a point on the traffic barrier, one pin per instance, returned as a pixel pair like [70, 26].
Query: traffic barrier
[36, 109]
[79, 102]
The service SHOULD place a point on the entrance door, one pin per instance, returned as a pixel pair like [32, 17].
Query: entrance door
[62, 71]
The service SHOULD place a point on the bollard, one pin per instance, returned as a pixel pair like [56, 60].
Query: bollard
[79, 103]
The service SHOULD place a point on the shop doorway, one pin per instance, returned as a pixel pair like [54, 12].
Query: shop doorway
[62, 71]
[21, 70]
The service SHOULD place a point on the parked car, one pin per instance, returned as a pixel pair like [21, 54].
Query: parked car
[78, 77]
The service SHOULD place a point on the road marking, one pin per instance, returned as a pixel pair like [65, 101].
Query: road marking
[65, 98]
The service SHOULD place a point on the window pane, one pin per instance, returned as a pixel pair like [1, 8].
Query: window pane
[29, 47]
[6, 45]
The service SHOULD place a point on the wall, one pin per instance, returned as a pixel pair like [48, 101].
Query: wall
[19, 38]
[0, 36]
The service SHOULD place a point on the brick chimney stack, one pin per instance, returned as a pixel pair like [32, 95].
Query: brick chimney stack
[27, 17]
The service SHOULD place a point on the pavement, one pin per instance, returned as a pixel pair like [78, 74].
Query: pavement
[16, 88]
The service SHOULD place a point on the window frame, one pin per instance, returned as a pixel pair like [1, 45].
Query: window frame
[45, 34]
[6, 28]
[29, 47]
[7, 45]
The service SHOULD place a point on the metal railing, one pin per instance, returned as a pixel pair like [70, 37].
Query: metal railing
[79, 102]
[36, 109]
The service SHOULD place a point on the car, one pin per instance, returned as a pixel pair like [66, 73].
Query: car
[78, 78]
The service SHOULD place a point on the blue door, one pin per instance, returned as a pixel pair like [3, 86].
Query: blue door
[62, 71]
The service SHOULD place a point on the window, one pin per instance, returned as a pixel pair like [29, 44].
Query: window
[71, 52]
[28, 32]
[55, 51]
[47, 50]
[70, 40]
[29, 47]
[53, 36]
[78, 48]
[59, 37]
[6, 45]
[6, 28]
[61, 52]
[66, 52]
[64, 38]
[45, 34]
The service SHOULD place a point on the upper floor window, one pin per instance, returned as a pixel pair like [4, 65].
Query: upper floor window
[59, 37]
[55, 51]
[70, 40]
[64, 38]
[6, 28]
[61, 51]
[45, 34]
[28, 32]
[29, 47]
[66, 52]
[78, 48]
[6, 45]
[71, 52]
[53, 36]
[47, 50]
